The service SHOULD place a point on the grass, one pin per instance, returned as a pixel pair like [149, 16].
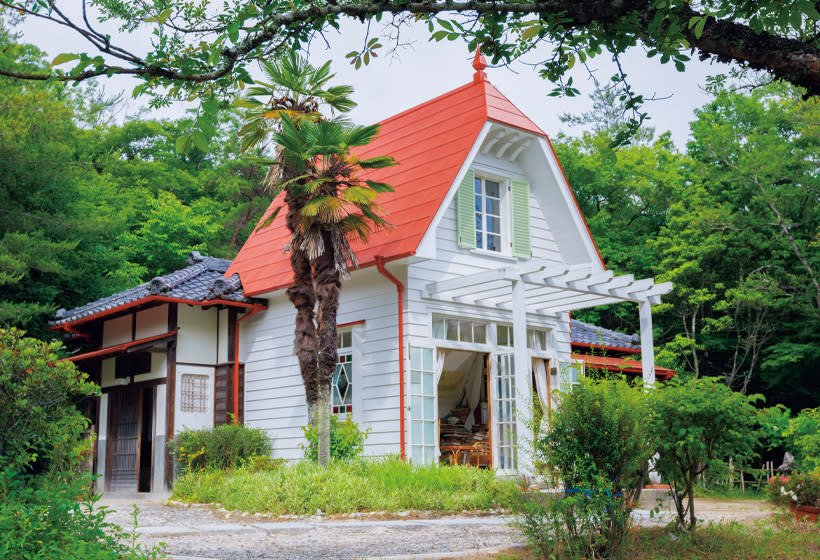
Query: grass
[731, 541]
[388, 485]
[723, 493]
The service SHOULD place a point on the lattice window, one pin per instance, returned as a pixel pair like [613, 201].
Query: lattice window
[194, 393]
[342, 389]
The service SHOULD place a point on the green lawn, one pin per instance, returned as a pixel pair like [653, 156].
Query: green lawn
[767, 541]
[366, 485]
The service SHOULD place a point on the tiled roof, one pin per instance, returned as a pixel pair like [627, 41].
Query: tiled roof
[585, 333]
[430, 142]
[202, 280]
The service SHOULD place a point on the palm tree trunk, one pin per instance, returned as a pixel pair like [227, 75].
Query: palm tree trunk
[328, 286]
[303, 297]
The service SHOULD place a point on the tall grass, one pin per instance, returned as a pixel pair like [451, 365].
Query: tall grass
[346, 487]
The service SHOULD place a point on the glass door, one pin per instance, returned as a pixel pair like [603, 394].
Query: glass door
[503, 416]
[423, 415]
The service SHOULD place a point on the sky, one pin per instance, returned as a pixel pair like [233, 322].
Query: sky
[423, 70]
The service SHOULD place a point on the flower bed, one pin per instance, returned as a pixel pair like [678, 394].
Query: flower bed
[800, 491]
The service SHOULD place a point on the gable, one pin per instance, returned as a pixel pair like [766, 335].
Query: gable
[431, 144]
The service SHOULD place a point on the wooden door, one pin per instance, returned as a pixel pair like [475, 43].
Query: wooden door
[124, 440]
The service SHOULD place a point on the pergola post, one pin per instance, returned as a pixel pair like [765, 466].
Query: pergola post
[521, 365]
[647, 343]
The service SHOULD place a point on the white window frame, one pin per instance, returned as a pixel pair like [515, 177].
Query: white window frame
[345, 355]
[504, 212]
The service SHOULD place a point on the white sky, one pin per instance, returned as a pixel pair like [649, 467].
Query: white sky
[424, 70]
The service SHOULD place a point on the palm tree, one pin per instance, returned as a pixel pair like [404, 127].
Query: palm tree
[294, 90]
[338, 205]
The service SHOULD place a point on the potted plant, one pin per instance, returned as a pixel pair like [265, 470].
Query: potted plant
[800, 491]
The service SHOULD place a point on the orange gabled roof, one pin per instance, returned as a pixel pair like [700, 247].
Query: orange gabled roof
[430, 142]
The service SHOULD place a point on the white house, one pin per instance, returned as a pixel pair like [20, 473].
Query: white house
[454, 317]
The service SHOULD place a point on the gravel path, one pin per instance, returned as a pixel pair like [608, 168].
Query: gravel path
[202, 533]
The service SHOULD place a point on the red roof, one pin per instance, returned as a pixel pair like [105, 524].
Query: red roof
[623, 365]
[430, 142]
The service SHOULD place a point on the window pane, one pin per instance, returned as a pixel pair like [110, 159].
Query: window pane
[501, 335]
[478, 185]
[427, 381]
[438, 330]
[493, 242]
[452, 329]
[479, 240]
[493, 207]
[416, 433]
[480, 333]
[415, 358]
[478, 225]
[493, 225]
[466, 331]
[492, 188]
[428, 359]
[478, 206]
[428, 409]
[415, 382]
[429, 432]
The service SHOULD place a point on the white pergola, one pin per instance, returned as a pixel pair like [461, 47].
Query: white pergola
[549, 289]
[546, 288]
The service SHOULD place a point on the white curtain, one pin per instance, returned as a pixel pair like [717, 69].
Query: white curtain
[540, 371]
[438, 367]
[539, 368]
[473, 389]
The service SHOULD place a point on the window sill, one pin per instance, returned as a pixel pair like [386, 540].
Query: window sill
[494, 255]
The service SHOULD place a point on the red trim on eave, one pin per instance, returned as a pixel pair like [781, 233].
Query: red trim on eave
[603, 347]
[350, 324]
[149, 299]
[117, 347]
[572, 194]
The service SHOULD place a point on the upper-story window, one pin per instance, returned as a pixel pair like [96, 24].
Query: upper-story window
[342, 387]
[493, 214]
[488, 219]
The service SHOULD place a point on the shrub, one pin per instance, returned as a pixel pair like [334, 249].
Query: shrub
[41, 519]
[798, 489]
[596, 449]
[695, 425]
[803, 438]
[346, 439]
[220, 447]
[41, 429]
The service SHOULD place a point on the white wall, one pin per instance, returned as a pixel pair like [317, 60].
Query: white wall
[194, 420]
[152, 321]
[197, 337]
[274, 393]
[117, 331]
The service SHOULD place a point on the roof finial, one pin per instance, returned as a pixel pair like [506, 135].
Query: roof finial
[479, 63]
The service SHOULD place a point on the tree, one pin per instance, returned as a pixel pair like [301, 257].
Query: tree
[200, 52]
[694, 425]
[337, 205]
[39, 419]
[294, 93]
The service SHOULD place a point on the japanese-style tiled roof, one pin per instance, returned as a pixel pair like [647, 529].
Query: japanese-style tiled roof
[202, 280]
[593, 335]
[430, 142]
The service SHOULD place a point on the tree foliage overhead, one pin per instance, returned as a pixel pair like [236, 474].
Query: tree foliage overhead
[202, 48]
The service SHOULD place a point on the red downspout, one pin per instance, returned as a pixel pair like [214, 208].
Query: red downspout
[400, 301]
[256, 309]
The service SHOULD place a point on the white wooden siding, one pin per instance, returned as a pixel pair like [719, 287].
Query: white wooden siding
[274, 393]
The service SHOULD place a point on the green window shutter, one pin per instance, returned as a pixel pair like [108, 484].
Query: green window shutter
[520, 205]
[465, 211]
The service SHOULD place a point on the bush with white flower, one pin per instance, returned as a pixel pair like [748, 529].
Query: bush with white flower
[799, 489]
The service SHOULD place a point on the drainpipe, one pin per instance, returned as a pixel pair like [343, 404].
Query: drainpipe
[256, 309]
[400, 304]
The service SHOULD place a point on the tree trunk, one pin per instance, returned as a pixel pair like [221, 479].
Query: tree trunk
[303, 297]
[328, 286]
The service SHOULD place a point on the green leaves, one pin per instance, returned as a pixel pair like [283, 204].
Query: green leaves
[63, 58]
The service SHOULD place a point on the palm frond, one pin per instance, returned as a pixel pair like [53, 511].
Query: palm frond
[377, 162]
